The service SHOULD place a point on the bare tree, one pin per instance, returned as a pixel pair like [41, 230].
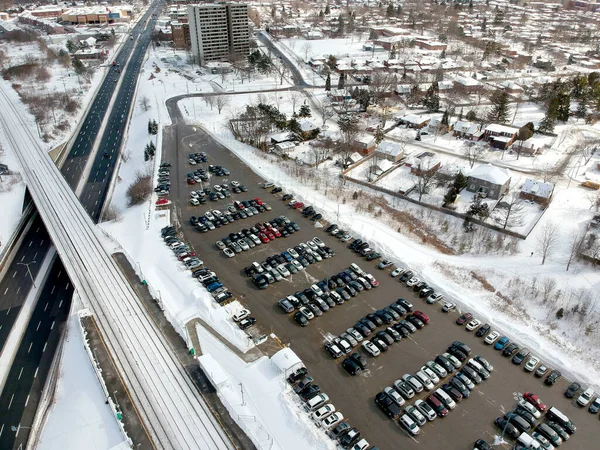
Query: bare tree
[140, 189]
[209, 100]
[306, 49]
[321, 150]
[145, 103]
[382, 85]
[549, 173]
[221, 101]
[586, 152]
[385, 107]
[547, 239]
[425, 179]
[473, 151]
[325, 111]
[295, 97]
[509, 212]
[575, 244]
[349, 131]
[548, 286]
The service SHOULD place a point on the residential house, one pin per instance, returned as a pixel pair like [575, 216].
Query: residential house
[537, 191]
[467, 85]
[403, 89]
[390, 151]
[339, 95]
[414, 121]
[424, 163]
[286, 136]
[511, 87]
[378, 168]
[489, 181]
[445, 85]
[284, 147]
[351, 159]
[308, 129]
[500, 136]
[466, 130]
[364, 143]
[430, 45]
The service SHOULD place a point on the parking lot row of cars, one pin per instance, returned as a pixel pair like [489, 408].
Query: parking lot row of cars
[441, 400]
[204, 275]
[324, 414]
[524, 424]
[326, 294]
[163, 186]
[234, 211]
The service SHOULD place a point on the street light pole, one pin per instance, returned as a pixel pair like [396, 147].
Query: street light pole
[29, 271]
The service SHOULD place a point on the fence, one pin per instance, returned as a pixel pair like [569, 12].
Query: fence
[439, 208]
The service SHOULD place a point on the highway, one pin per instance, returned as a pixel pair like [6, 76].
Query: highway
[16, 283]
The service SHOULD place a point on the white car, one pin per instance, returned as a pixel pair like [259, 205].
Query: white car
[363, 444]
[473, 324]
[394, 395]
[217, 188]
[244, 245]
[296, 264]
[228, 252]
[426, 410]
[413, 382]
[241, 315]
[370, 348]
[209, 215]
[424, 380]
[491, 338]
[413, 281]
[438, 369]
[396, 272]
[194, 201]
[332, 420]
[323, 412]
[293, 253]
[586, 397]
[529, 407]
[235, 183]
[448, 306]
[355, 334]
[312, 245]
[409, 424]
[192, 161]
[194, 194]
[319, 242]
[435, 297]
[357, 270]
[316, 289]
[431, 374]
[371, 279]
[283, 270]
[306, 312]
[531, 364]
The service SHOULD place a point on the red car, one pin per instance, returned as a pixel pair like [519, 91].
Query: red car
[466, 317]
[162, 201]
[186, 255]
[276, 232]
[260, 226]
[535, 401]
[270, 235]
[298, 205]
[191, 181]
[421, 316]
[263, 237]
[258, 201]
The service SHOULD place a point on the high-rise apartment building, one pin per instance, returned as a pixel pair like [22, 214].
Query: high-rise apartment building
[218, 31]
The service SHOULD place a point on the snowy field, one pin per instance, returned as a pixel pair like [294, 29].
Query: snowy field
[79, 417]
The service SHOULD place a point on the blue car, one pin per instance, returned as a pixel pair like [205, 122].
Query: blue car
[501, 343]
[286, 256]
[214, 286]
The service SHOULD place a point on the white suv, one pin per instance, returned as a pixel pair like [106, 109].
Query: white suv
[409, 424]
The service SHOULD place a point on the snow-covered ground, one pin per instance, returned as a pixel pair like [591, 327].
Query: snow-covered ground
[79, 417]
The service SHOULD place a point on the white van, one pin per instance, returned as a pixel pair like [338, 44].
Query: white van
[585, 397]
[528, 442]
[316, 402]
[445, 399]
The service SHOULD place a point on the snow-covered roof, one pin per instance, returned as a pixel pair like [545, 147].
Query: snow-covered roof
[307, 125]
[466, 81]
[286, 360]
[463, 126]
[497, 128]
[389, 148]
[213, 370]
[414, 119]
[282, 137]
[492, 174]
[537, 188]
[366, 139]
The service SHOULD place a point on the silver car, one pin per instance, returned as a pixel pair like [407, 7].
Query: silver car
[426, 410]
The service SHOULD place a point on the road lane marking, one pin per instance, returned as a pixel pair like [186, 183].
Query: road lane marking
[20, 373]
[27, 401]
[44, 349]
[38, 327]
[29, 349]
[46, 307]
[14, 274]
[36, 372]
[5, 291]
[52, 326]
[11, 400]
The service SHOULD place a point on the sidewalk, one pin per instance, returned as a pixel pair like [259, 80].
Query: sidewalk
[180, 349]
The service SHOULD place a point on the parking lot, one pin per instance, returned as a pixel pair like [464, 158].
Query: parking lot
[353, 396]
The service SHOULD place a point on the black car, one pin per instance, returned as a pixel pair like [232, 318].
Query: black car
[406, 276]
[460, 387]
[509, 428]
[375, 319]
[510, 349]
[359, 359]
[350, 366]
[520, 356]
[387, 405]
[331, 227]
[572, 390]
[457, 353]
[452, 392]
[384, 316]
[362, 329]
[553, 377]
[482, 330]
[340, 430]
[287, 197]
[445, 363]
[297, 375]
[418, 323]
[316, 217]
[520, 423]
[480, 444]
[402, 330]
[373, 256]
[385, 337]
[420, 285]
[425, 292]
[405, 304]
[300, 319]
[399, 309]
[350, 438]
[309, 392]
[368, 323]
[525, 415]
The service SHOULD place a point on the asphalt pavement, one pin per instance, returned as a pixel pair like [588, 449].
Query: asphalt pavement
[353, 396]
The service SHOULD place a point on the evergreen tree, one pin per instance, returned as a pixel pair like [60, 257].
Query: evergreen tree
[418, 136]
[146, 154]
[431, 101]
[581, 110]
[443, 55]
[460, 114]
[341, 81]
[549, 120]
[564, 105]
[445, 120]
[304, 111]
[341, 25]
[327, 10]
[321, 15]
[78, 66]
[460, 181]
[390, 10]
[499, 112]
[150, 126]
[470, 4]
[450, 196]
[294, 126]
[328, 83]
[399, 11]
[571, 60]
[72, 48]
[471, 115]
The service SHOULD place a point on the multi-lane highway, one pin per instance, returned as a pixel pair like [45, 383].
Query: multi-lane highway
[20, 395]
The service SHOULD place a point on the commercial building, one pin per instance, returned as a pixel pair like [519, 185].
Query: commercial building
[218, 31]
[181, 35]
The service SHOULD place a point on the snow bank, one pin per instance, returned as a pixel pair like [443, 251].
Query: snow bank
[259, 399]
[79, 417]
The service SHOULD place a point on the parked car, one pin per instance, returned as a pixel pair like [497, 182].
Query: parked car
[553, 377]
[492, 337]
[448, 306]
[464, 318]
[531, 364]
[501, 343]
[572, 390]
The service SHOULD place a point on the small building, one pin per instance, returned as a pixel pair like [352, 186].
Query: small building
[403, 89]
[465, 130]
[308, 129]
[500, 136]
[339, 95]
[424, 163]
[390, 151]
[467, 85]
[351, 159]
[414, 121]
[282, 137]
[431, 45]
[537, 191]
[364, 144]
[284, 147]
[489, 181]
